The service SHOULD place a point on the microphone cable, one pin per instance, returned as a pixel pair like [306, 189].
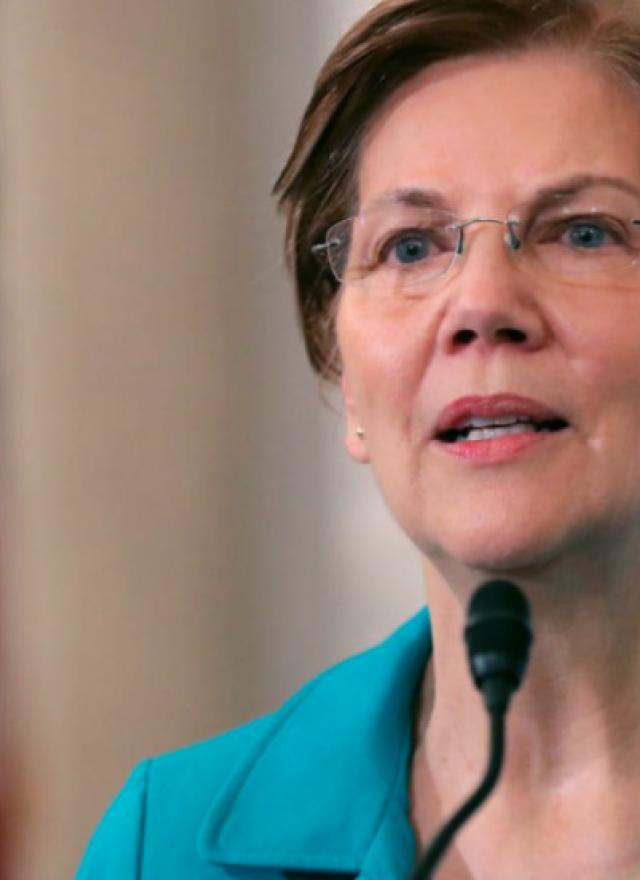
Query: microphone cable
[498, 636]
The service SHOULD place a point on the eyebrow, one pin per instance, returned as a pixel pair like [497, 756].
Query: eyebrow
[556, 193]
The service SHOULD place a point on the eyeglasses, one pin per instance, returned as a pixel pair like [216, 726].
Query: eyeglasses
[399, 248]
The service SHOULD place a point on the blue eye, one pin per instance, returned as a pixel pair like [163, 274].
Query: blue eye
[411, 248]
[588, 236]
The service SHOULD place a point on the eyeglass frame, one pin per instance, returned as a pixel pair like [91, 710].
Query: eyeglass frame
[513, 241]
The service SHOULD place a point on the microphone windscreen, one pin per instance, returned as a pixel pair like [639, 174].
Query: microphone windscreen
[498, 633]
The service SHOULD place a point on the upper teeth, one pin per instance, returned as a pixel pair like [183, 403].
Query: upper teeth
[501, 421]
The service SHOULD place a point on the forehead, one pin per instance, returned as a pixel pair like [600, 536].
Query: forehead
[490, 131]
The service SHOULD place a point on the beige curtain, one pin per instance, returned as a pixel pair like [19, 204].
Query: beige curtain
[185, 541]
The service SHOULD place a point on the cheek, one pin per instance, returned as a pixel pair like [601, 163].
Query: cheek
[604, 356]
[603, 344]
[386, 349]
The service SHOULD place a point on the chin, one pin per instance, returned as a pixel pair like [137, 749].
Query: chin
[499, 557]
[495, 548]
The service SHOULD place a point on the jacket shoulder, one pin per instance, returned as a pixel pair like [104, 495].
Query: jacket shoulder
[114, 850]
[169, 793]
[204, 765]
[169, 796]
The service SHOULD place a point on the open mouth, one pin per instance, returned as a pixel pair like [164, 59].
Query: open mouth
[519, 425]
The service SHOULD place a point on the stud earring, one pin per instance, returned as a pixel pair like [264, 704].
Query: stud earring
[360, 432]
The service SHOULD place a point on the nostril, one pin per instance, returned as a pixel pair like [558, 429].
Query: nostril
[511, 334]
[464, 336]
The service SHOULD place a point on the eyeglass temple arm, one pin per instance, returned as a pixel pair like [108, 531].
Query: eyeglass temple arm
[321, 251]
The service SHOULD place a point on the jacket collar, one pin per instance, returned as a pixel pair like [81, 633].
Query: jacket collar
[325, 787]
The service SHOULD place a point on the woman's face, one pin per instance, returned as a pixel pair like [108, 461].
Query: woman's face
[489, 134]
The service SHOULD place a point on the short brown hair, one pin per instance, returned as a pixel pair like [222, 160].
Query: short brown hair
[388, 46]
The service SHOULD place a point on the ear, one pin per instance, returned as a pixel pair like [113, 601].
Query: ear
[354, 441]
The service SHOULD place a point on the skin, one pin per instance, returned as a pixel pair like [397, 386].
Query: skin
[561, 520]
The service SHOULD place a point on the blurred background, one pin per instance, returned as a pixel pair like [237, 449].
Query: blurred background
[184, 539]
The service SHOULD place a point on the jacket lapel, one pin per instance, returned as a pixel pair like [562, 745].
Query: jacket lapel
[325, 787]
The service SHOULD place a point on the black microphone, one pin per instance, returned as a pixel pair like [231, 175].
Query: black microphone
[498, 636]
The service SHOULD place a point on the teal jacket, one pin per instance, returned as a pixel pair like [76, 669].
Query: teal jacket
[321, 785]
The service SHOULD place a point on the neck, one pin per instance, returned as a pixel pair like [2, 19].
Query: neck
[573, 731]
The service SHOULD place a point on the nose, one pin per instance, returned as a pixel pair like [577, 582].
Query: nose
[490, 302]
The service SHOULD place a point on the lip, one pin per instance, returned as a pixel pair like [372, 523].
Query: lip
[498, 450]
[495, 405]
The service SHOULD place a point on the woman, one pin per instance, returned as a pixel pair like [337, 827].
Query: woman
[482, 313]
